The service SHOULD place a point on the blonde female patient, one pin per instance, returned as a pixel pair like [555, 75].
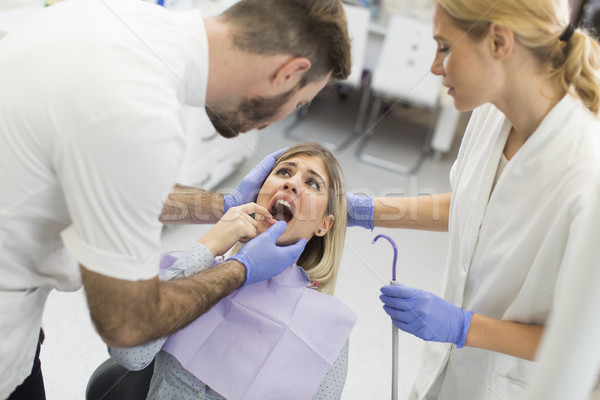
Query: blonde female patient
[284, 338]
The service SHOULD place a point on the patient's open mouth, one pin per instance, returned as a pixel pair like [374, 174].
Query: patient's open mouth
[282, 210]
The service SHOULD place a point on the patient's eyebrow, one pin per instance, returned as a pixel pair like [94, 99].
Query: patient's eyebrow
[317, 175]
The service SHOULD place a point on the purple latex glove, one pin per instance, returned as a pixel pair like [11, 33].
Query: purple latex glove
[263, 259]
[249, 187]
[360, 210]
[426, 315]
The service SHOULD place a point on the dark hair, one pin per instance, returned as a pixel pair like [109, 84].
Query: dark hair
[315, 29]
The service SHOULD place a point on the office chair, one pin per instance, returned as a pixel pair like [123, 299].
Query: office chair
[110, 381]
[402, 75]
[358, 29]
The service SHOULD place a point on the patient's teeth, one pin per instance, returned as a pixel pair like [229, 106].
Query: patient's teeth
[284, 203]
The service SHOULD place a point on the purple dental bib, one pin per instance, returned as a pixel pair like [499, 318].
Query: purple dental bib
[274, 339]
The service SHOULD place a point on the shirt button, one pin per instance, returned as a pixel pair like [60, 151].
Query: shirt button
[200, 394]
[465, 268]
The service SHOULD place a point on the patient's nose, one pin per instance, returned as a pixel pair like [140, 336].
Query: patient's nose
[290, 186]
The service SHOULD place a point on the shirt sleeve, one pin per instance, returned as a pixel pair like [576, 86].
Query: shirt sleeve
[115, 174]
[333, 383]
[579, 233]
[195, 259]
[138, 357]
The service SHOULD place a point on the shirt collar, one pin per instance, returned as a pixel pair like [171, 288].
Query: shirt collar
[304, 273]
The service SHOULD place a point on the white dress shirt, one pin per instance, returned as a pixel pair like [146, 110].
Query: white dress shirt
[91, 139]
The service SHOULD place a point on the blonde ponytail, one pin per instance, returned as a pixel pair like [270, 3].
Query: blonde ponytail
[579, 73]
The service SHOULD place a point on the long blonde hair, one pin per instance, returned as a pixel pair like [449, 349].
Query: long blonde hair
[322, 255]
[538, 24]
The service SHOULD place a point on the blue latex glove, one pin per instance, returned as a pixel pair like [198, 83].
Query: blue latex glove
[249, 187]
[426, 315]
[360, 210]
[263, 259]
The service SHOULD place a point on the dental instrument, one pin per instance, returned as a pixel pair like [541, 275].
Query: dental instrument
[394, 328]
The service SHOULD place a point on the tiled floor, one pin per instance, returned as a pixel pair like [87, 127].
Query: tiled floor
[73, 350]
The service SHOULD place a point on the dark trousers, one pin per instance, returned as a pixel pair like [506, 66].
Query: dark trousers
[32, 387]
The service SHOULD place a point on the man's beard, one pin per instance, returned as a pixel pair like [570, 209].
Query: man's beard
[249, 114]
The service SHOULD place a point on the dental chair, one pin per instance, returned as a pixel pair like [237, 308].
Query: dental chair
[110, 381]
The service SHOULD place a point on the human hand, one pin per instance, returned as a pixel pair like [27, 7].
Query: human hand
[263, 259]
[426, 315]
[249, 187]
[360, 210]
[237, 225]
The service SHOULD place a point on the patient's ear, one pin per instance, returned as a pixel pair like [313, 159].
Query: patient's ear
[325, 225]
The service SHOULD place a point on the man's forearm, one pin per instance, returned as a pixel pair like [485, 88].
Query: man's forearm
[191, 205]
[193, 296]
[420, 212]
[131, 313]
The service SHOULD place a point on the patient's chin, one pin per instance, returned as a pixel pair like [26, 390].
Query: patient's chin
[288, 239]
[283, 242]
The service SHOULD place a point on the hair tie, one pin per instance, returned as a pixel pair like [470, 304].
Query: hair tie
[566, 35]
